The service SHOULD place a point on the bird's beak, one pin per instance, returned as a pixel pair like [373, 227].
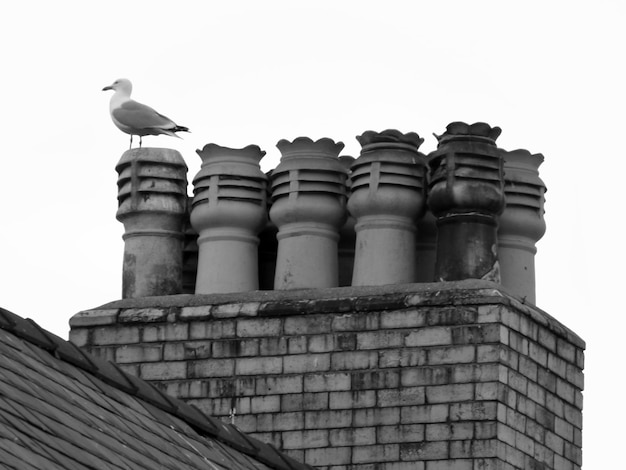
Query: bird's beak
[107, 88]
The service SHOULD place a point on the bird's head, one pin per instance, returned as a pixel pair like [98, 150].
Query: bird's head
[121, 84]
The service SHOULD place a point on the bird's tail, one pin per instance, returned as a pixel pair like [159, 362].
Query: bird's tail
[180, 129]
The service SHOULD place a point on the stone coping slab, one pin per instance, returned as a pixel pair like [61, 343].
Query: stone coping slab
[189, 307]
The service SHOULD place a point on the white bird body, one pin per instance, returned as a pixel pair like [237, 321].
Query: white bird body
[135, 118]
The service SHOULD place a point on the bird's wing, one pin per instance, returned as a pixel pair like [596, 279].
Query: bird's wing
[138, 116]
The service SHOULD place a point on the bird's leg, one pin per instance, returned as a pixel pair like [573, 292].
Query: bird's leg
[131, 142]
[139, 141]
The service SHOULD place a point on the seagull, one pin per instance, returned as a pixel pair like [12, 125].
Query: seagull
[135, 118]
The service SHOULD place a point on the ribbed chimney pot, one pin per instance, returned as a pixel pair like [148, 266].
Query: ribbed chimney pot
[466, 195]
[228, 212]
[152, 200]
[388, 195]
[308, 208]
[522, 223]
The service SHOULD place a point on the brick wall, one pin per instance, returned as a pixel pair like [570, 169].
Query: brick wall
[454, 376]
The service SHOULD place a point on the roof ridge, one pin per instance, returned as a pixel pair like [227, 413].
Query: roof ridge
[110, 373]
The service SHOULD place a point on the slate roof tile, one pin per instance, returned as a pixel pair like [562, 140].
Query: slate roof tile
[61, 408]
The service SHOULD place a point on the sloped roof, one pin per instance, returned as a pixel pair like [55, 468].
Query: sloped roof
[61, 408]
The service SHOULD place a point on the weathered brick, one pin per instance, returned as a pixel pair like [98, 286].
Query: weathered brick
[380, 339]
[566, 350]
[353, 437]
[450, 355]
[538, 353]
[265, 404]
[524, 443]
[575, 377]
[516, 420]
[163, 370]
[561, 463]
[375, 417]
[305, 363]
[126, 354]
[400, 433]
[565, 391]
[308, 324]
[488, 391]
[272, 346]
[517, 382]
[212, 329]
[353, 360]
[356, 321]
[402, 357]
[475, 372]
[405, 396]
[557, 365]
[327, 419]
[427, 376]
[328, 456]
[475, 448]
[410, 318]
[528, 368]
[424, 450]
[305, 439]
[485, 429]
[353, 399]
[220, 387]
[451, 316]
[511, 319]
[297, 344]
[304, 401]
[519, 343]
[429, 336]
[281, 421]
[327, 382]
[235, 347]
[424, 414]
[454, 464]
[105, 335]
[259, 327]
[564, 429]
[211, 368]
[259, 365]
[449, 431]
[473, 411]
[488, 352]
[375, 453]
[165, 332]
[369, 380]
[80, 336]
[489, 313]
[332, 342]
[547, 339]
[449, 393]
[279, 385]
[478, 334]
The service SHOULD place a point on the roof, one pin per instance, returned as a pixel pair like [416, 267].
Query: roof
[61, 408]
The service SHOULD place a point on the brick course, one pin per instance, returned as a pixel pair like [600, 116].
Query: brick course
[447, 376]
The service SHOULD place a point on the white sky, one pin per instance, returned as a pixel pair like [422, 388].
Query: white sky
[549, 73]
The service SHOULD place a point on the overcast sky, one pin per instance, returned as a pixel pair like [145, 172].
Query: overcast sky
[549, 73]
